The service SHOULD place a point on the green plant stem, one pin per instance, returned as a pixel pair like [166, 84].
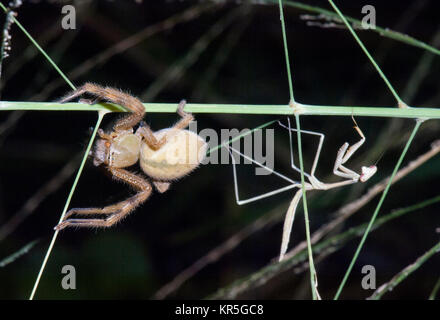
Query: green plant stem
[330, 244]
[301, 109]
[286, 50]
[264, 125]
[34, 42]
[379, 205]
[435, 290]
[11, 258]
[367, 53]
[66, 205]
[313, 276]
[383, 32]
[402, 275]
[178, 68]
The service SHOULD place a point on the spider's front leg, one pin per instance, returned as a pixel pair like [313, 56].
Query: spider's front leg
[186, 116]
[114, 212]
[127, 101]
[114, 96]
[149, 137]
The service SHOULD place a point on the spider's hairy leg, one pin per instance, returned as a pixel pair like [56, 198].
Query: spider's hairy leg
[148, 135]
[186, 116]
[73, 94]
[123, 209]
[103, 135]
[104, 211]
[115, 96]
[115, 212]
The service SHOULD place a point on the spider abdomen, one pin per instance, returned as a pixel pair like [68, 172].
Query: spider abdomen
[181, 154]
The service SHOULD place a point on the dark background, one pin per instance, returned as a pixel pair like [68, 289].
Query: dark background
[172, 230]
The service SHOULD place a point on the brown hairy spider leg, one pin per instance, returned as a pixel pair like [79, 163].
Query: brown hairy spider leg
[114, 96]
[127, 101]
[103, 135]
[186, 117]
[116, 211]
[145, 131]
[118, 97]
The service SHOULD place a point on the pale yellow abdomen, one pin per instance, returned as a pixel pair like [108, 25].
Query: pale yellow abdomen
[181, 154]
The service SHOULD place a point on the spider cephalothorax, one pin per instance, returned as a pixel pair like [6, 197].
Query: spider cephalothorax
[117, 149]
[164, 156]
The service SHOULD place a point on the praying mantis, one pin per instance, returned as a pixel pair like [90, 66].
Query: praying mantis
[344, 154]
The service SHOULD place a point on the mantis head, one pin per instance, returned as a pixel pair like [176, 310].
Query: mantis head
[367, 173]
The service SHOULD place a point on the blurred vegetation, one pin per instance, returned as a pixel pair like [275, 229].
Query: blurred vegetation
[240, 61]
